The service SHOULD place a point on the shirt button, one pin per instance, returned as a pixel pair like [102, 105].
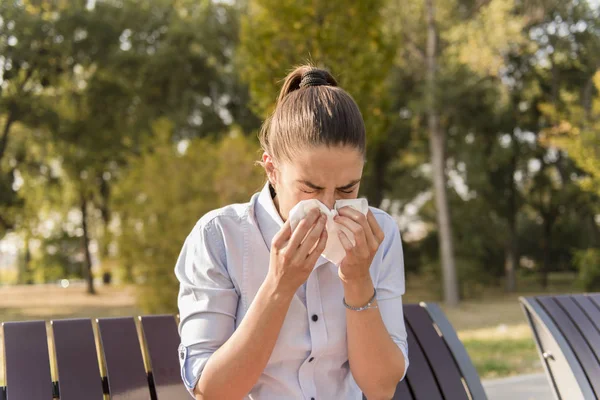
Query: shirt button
[311, 359]
[315, 317]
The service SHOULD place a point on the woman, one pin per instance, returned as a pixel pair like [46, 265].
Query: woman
[263, 314]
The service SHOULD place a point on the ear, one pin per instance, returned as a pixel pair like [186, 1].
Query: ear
[269, 168]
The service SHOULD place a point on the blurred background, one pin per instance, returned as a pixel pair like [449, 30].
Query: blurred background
[123, 121]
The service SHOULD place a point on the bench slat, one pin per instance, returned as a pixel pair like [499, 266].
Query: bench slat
[440, 359]
[77, 360]
[402, 391]
[590, 308]
[595, 297]
[126, 374]
[575, 307]
[419, 375]
[575, 339]
[465, 365]
[162, 340]
[563, 370]
[27, 361]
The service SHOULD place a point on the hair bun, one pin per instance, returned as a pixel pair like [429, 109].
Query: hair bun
[313, 77]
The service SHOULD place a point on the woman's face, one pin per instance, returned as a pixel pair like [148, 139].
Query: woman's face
[323, 173]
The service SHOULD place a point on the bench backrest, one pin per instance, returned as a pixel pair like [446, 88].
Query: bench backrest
[130, 361]
[566, 329]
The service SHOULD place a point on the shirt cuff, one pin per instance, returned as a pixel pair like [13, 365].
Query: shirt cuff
[192, 366]
[404, 351]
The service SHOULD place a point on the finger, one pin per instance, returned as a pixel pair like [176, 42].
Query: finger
[303, 227]
[361, 219]
[318, 250]
[356, 229]
[346, 243]
[313, 236]
[375, 228]
[281, 237]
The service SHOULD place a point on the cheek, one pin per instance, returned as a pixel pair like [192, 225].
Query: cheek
[289, 197]
[347, 196]
[296, 196]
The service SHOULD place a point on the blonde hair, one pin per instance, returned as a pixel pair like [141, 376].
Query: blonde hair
[312, 110]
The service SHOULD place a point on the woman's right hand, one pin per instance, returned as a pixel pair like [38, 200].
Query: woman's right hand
[293, 256]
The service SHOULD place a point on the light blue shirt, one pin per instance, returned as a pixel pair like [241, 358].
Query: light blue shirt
[223, 263]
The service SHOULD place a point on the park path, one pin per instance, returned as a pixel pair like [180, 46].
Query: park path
[520, 387]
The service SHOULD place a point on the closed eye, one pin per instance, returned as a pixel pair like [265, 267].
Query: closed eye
[349, 188]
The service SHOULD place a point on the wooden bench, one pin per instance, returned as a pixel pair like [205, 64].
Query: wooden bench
[133, 361]
[566, 329]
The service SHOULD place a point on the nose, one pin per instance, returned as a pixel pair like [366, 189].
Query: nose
[328, 199]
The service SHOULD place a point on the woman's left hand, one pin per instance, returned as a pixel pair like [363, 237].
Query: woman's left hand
[367, 235]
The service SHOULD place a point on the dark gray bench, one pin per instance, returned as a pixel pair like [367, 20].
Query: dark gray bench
[140, 361]
[566, 329]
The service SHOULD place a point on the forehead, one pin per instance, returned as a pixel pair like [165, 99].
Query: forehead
[321, 165]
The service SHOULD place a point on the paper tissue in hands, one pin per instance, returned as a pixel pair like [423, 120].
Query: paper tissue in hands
[334, 251]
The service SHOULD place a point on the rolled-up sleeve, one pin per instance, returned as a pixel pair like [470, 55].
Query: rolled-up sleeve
[390, 287]
[207, 300]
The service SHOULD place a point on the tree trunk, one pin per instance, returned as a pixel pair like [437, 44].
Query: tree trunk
[510, 260]
[5, 224]
[5, 131]
[23, 273]
[547, 248]
[86, 246]
[375, 187]
[437, 144]
[512, 250]
[105, 213]
[586, 97]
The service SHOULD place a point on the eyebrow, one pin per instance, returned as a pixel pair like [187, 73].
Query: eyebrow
[315, 187]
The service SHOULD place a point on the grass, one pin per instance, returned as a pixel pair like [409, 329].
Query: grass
[492, 327]
[502, 351]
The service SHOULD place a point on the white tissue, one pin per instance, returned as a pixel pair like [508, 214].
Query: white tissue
[334, 250]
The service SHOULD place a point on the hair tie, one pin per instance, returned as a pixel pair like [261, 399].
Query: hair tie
[313, 77]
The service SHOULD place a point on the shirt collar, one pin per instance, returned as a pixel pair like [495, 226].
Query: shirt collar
[267, 217]
[265, 200]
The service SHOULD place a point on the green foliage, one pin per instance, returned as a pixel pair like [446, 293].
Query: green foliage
[588, 263]
[96, 100]
[165, 193]
[61, 258]
[576, 131]
[346, 38]
[106, 71]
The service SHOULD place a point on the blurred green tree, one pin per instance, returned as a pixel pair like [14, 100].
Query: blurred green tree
[117, 67]
[166, 190]
[448, 68]
[346, 38]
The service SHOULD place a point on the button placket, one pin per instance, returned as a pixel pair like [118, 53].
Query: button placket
[318, 334]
